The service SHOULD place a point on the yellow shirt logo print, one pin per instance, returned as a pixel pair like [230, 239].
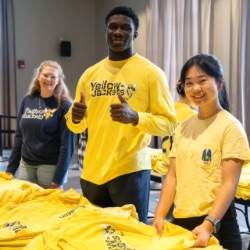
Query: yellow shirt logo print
[207, 156]
[49, 113]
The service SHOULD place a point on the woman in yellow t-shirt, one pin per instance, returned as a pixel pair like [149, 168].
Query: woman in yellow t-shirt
[208, 152]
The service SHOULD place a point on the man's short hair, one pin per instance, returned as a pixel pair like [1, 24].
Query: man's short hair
[126, 11]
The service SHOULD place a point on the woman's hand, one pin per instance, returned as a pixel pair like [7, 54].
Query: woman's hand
[51, 186]
[203, 233]
[158, 225]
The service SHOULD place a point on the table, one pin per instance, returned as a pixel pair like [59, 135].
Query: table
[246, 204]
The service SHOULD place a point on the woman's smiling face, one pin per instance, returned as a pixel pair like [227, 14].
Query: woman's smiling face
[200, 88]
[48, 80]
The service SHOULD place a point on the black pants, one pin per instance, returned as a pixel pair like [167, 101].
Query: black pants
[229, 233]
[131, 188]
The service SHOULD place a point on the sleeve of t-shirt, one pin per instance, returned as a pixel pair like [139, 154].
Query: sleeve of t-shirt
[15, 156]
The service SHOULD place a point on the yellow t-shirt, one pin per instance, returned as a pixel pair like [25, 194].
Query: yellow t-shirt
[199, 147]
[66, 220]
[16, 191]
[113, 148]
[243, 189]
[99, 230]
[27, 210]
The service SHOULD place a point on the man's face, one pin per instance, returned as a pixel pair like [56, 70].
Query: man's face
[120, 33]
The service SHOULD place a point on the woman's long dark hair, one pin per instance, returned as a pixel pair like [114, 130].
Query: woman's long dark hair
[211, 66]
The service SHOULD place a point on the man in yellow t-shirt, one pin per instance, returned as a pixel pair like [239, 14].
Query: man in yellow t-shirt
[122, 100]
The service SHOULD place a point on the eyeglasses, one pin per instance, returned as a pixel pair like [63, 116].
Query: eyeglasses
[50, 77]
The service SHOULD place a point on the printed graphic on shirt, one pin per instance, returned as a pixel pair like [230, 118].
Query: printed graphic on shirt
[207, 156]
[49, 113]
[111, 88]
[38, 113]
[167, 141]
[70, 212]
[113, 240]
[15, 226]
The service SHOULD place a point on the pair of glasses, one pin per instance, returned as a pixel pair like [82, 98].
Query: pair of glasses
[50, 77]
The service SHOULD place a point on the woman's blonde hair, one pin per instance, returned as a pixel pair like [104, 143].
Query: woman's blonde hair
[61, 91]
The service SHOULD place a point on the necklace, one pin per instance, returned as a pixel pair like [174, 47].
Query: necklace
[42, 101]
[47, 111]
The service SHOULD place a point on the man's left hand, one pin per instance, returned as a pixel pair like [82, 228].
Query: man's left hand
[121, 112]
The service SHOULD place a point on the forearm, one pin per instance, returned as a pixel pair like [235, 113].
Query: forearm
[231, 169]
[15, 156]
[221, 204]
[223, 200]
[160, 117]
[75, 127]
[16, 152]
[166, 197]
[67, 145]
[65, 156]
[157, 125]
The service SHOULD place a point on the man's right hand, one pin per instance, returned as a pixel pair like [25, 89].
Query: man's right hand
[79, 109]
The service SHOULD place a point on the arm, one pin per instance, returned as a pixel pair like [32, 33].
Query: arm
[67, 139]
[16, 151]
[159, 120]
[166, 198]
[231, 169]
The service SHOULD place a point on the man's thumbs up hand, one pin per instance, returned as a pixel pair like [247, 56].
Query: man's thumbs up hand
[82, 99]
[122, 100]
[121, 112]
[79, 109]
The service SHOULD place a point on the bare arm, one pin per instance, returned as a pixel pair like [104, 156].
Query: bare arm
[231, 170]
[166, 198]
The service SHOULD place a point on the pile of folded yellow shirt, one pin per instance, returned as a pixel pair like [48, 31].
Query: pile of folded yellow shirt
[37, 218]
[243, 189]
[158, 162]
[160, 165]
